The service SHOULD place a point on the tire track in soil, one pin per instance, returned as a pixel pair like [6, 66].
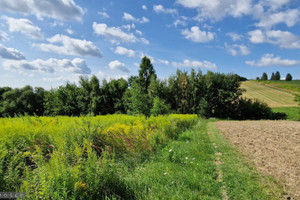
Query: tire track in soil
[218, 163]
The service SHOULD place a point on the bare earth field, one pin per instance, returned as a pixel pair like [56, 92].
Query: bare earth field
[274, 147]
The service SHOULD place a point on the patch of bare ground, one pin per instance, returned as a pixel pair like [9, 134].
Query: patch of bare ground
[274, 147]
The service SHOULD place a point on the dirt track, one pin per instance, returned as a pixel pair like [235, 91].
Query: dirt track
[274, 147]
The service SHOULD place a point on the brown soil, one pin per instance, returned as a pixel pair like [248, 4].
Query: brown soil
[274, 147]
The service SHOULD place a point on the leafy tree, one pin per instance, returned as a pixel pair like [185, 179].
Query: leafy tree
[277, 76]
[138, 102]
[264, 77]
[159, 107]
[288, 77]
[94, 107]
[145, 73]
[273, 77]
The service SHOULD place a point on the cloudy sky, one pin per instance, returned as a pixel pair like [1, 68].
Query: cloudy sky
[49, 42]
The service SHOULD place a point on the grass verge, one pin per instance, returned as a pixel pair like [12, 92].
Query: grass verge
[184, 169]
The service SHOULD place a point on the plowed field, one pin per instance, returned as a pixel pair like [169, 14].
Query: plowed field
[274, 147]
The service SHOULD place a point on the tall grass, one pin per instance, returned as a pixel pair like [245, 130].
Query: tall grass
[80, 157]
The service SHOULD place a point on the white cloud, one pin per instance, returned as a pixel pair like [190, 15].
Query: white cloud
[234, 36]
[69, 31]
[218, 9]
[103, 14]
[3, 36]
[271, 60]
[284, 39]
[123, 51]
[24, 26]
[275, 4]
[144, 7]
[165, 62]
[145, 41]
[160, 9]
[237, 49]
[197, 64]
[115, 34]
[289, 17]
[118, 66]
[70, 46]
[129, 17]
[196, 35]
[51, 65]
[179, 22]
[57, 9]
[139, 32]
[10, 53]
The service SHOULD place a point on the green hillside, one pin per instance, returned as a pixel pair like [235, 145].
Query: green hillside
[269, 93]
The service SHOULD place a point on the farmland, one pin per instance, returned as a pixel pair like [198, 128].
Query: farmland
[273, 96]
[272, 146]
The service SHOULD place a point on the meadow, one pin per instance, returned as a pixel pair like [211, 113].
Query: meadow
[80, 157]
[125, 157]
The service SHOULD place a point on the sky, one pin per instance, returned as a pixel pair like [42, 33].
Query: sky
[48, 43]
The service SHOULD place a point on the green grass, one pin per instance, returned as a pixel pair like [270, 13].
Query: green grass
[293, 113]
[293, 86]
[186, 169]
[273, 96]
[240, 178]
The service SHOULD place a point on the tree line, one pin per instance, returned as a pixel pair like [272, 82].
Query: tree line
[208, 95]
[274, 77]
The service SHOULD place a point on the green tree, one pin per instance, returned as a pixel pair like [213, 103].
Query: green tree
[277, 76]
[273, 77]
[94, 107]
[288, 77]
[159, 107]
[138, 102]
[145, 73]
[264, 77]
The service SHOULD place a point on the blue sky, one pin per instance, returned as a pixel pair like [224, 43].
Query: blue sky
[49, 42]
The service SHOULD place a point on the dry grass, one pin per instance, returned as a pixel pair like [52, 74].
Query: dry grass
[274, 97]
[274, 147]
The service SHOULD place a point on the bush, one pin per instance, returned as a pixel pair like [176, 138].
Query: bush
[255, 110]
[159, 107]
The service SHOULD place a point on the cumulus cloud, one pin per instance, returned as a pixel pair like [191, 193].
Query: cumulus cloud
[288, 17]
[3, 36]
[284, 39]
[196, 35]
[115, 34]
[165, 62]
[144, 7]
[10, 53]
[275, 4]
[129, 17]
[197, 64]
[234, 36]
[237, 49]
[70, 46]
[51, 65]
[24, 26]
[118, 66]
[103, 14]
[218, 9]
[69, 31]
[160, 9]
[123, 51]
[57, 9]
[271, 60]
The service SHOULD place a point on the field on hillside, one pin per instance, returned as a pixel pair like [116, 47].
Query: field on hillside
[274, 97]
[274, 147]
[293, 86]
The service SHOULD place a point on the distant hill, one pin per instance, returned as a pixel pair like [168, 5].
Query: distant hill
[274, 93]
